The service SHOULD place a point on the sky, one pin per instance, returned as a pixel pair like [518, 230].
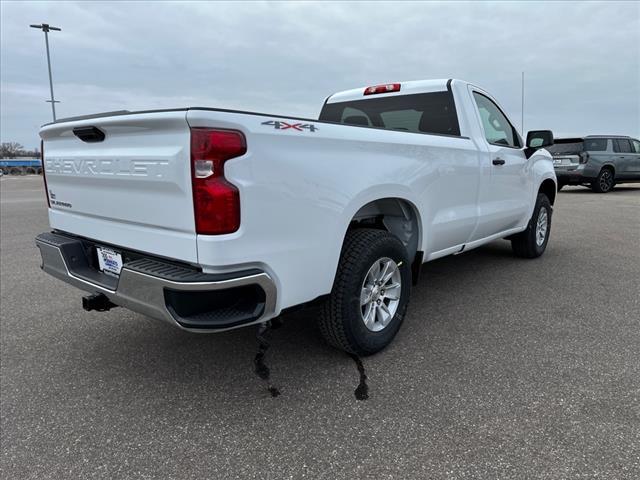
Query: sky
[581, 59]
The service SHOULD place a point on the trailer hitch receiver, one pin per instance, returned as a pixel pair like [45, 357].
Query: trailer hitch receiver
[98, 302]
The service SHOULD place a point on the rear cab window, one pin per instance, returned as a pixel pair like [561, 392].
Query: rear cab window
[636, 145]
[431, 113]
[354, 116]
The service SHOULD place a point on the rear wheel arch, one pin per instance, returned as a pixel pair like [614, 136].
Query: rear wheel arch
[396, 215]
[611, 167]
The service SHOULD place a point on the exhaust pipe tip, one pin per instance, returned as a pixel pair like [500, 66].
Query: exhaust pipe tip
[98, 302]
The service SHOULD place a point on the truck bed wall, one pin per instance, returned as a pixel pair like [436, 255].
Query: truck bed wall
[299, 191]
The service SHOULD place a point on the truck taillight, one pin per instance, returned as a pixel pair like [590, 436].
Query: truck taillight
[216, 202]
[387, 88]
[44, 173]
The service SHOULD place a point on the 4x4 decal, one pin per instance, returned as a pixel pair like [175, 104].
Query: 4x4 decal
[280, 125]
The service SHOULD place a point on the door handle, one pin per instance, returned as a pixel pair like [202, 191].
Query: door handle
[498, 161]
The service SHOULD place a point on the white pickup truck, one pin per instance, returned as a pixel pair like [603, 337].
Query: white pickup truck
[214, 219]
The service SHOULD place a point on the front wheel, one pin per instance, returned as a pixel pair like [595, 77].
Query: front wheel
[533, 241]
[370, 293]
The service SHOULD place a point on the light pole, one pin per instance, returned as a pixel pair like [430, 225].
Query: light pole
[46, 28]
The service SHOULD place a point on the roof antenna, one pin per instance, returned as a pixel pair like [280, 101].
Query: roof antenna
[522, 122]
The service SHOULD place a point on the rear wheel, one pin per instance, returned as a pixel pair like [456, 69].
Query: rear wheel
[533, 241]
[604, 182]
[370, 293]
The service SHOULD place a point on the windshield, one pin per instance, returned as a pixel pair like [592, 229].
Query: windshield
[560, 146]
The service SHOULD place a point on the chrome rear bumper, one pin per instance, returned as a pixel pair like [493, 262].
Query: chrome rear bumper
[163, 290]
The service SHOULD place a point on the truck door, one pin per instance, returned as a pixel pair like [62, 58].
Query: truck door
[505, 185]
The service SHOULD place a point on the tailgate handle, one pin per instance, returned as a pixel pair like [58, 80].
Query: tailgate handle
[89, 134]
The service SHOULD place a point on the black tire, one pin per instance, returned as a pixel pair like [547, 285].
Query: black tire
[604, 182]
[525, 244]
[341, 318]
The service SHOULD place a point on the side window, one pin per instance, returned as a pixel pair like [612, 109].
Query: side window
[353, 116]
[623, 145]
[636, 146]
[597, 145]
[497, 129]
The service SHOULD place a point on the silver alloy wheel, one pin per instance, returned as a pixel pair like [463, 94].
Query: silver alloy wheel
[542, 226]
[605, 180]
[380, 294]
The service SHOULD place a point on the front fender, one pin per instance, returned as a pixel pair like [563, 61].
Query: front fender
[542, 167]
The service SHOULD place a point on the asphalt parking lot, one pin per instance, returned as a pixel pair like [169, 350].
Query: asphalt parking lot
[504, 368]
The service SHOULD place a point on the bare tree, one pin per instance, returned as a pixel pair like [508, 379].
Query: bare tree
[11, 149]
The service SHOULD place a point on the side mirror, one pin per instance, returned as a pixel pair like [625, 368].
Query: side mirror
[539, 138]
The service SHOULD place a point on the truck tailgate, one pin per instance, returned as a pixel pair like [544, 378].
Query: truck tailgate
[131, 189]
